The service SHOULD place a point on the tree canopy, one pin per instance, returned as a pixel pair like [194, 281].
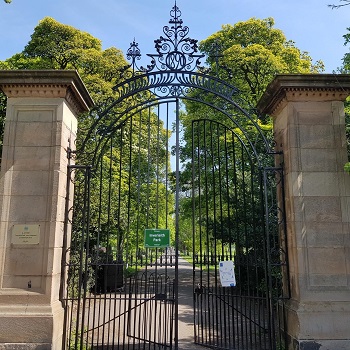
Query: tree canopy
[60, 45]
[54, 45]
[346, 59]
[254, 52]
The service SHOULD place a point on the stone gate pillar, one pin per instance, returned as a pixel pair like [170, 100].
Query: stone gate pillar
[308, 117]
[42, 107]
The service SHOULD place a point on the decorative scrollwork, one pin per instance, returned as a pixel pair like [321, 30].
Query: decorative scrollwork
[133, 52]
[175, 65]
[175, 51]
[156, 81]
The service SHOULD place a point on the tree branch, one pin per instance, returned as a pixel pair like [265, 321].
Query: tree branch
[332, 6]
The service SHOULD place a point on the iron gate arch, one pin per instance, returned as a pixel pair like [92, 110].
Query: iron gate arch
[120, 292]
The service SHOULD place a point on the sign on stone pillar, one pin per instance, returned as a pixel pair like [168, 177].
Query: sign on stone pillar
[41, 123]
[309, 127]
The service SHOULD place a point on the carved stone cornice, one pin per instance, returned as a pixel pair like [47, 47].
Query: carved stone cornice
[35, 90]
[47, 84]
[303, 88]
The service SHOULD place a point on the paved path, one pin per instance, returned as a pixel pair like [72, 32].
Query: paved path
[185, 300]
[186, 307]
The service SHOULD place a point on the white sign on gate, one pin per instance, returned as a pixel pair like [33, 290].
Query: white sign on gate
[227, 273]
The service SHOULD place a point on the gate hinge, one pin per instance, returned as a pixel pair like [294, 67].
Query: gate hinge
[70, 153]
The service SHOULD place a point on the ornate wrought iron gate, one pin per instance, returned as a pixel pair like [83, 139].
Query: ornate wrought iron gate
[205, 191]
[236, 219]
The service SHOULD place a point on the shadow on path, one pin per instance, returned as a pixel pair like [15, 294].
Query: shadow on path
[186, 318]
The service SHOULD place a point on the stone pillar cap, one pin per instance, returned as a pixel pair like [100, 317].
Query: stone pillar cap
[303, 87]
[47, 84]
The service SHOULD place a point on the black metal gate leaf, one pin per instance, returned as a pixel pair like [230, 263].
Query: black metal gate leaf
[210, 180]
[228, 225]
[151, 308]
[229, 321]
[117, 290]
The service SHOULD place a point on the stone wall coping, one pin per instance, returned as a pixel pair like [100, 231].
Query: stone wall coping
[47, 84]
[302, 88]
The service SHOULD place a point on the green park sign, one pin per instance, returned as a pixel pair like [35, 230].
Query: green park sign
[157, 238]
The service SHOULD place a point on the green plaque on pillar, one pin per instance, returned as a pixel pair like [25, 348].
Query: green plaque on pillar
[157, 238]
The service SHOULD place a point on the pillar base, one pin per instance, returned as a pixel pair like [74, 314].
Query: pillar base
[21, 346]
[319, 345]
[318, 325]
[28, 321]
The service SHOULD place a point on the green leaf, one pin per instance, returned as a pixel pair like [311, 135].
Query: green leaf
[347, 167]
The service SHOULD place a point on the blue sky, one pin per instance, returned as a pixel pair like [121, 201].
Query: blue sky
[310, 23]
